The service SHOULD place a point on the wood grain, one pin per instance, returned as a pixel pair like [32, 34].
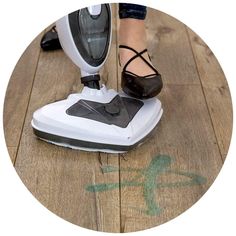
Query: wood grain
[12, 152]
[18, 94]
[169, 48]
[185, 133]
[216, 91]
[151, 184]
[58, 177]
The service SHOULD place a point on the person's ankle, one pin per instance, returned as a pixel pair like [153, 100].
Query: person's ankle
[132, 33]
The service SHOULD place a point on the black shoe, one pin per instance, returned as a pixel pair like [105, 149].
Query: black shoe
[50, 40]
[141, 87]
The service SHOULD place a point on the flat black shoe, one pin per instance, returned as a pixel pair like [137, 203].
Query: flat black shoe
[142, 87]
[50, 40]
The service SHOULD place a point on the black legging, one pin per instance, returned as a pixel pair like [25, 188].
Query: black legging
[127, 10]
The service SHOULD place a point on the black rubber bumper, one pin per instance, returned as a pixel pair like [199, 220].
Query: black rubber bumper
[85, 144]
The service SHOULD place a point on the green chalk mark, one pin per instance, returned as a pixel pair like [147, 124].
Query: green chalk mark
[157, 166]
[195, 179]
[111, 186]
[107, 169]
[102, 187]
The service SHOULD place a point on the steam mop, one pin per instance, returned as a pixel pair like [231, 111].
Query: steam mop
[98, 118]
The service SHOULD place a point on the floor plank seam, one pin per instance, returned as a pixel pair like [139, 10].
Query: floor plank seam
[119, 162]
[208, 109]
[27, 108]
[141, 189]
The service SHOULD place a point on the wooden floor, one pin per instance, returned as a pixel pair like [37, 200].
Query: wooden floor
[144, 187]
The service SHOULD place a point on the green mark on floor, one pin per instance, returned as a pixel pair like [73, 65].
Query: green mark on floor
[158, 165]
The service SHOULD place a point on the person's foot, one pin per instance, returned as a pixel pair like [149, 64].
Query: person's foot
[132, 33]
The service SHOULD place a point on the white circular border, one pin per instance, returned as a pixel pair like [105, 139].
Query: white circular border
[21, 21]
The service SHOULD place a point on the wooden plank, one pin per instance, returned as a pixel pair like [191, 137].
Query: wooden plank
[183, 146]
[216, 91]
[12, 152]
[147, 186]
[169, 49]
[62, 179]
[18, 93]
[184, 141]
